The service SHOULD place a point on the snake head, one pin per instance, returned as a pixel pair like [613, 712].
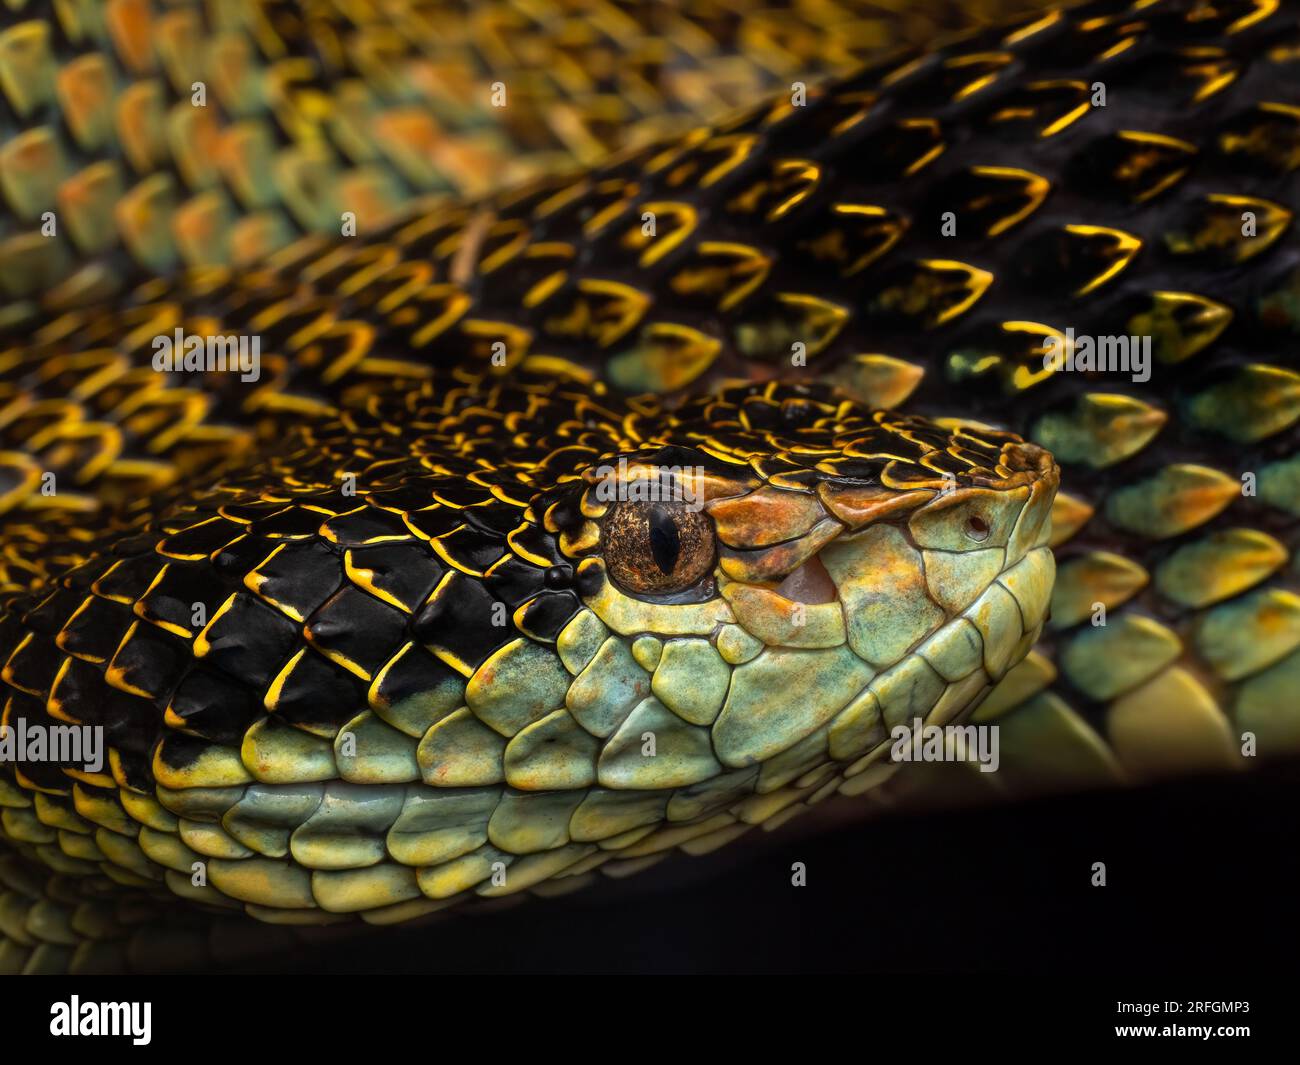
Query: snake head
[798, 575]
[551, 628]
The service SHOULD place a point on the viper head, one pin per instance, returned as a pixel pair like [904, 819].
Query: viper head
[793, 575]
[549, 628]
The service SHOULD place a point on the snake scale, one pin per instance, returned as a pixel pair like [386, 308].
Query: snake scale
[401, 623]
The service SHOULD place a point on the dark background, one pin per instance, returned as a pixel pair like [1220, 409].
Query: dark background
[975, 929]
[1203, 878]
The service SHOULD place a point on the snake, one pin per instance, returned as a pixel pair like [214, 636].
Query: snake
[654, 410]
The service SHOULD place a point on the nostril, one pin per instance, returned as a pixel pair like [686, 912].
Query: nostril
[810, 584]
[977, 528]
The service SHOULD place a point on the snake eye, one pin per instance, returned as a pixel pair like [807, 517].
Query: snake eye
[657, 548]
[977, 528]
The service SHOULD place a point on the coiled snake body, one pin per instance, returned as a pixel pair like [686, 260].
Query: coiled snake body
[403, 623]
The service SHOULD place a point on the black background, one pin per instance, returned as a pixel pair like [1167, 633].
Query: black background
[1203, 875]
[974, 928]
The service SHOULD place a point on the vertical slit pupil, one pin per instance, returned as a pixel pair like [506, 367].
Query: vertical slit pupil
[665, 541]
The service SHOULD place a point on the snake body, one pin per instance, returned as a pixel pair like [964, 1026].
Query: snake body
[447, 647]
